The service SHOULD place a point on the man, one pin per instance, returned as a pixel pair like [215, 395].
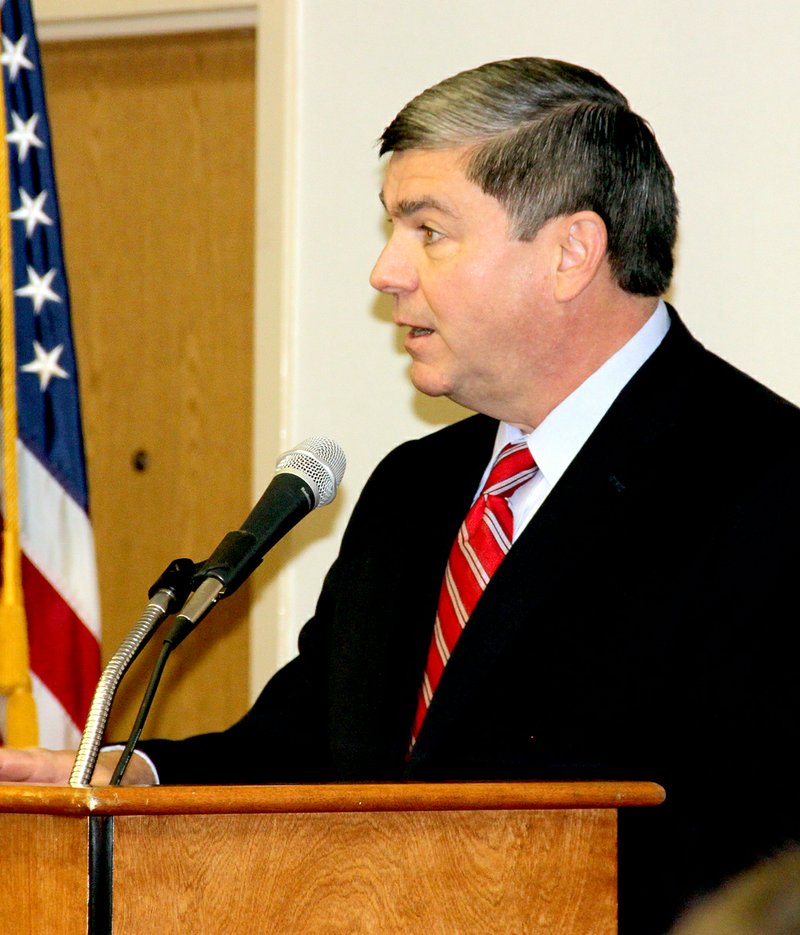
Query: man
[636, 628]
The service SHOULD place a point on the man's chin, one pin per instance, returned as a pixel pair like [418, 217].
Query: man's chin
[433, 386]
[430, 388]
[429, 381]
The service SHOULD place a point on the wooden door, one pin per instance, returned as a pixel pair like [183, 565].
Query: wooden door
[153, 143]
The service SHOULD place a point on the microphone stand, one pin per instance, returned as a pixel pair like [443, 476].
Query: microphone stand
[232, 562]
[192, 612]
[219, 576]
[168, 592]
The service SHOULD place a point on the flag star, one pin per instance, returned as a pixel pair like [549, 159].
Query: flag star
[46, 365]
[38, 289]
[23, 136]
[14, 56]
[31, 211]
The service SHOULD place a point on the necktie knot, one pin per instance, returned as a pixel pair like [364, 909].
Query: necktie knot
[513, 468]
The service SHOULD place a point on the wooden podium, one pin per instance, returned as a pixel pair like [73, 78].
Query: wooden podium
[412, 858]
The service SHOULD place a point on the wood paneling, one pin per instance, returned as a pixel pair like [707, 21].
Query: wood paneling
[154, 150]
[391, 872]
[44, 855]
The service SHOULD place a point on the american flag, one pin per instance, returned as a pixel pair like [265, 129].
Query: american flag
[58, 560]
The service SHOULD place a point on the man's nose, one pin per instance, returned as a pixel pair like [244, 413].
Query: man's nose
[393, 272]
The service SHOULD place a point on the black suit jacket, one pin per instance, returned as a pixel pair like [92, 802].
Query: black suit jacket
[643, 626]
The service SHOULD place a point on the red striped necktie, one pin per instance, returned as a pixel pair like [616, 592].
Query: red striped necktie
[482, 543]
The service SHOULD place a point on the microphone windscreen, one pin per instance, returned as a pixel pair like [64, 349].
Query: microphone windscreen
[320, 462]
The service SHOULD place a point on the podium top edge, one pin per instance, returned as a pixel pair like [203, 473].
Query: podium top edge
[333, 797]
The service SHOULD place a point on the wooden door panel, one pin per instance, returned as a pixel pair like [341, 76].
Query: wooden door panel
[154, 148]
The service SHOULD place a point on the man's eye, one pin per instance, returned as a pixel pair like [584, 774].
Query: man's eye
[429, 235]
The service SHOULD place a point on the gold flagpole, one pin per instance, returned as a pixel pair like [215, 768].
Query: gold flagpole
[15, 681]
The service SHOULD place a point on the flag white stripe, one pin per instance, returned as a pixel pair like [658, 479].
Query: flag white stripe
[56, 729]
[66, 562]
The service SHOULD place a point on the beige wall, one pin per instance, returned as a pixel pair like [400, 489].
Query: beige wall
[717, 80]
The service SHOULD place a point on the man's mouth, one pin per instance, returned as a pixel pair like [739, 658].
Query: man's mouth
[420, 332]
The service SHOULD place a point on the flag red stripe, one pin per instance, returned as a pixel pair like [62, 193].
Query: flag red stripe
[64, 654]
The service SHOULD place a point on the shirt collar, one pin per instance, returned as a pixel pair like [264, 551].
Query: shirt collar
[561, 435]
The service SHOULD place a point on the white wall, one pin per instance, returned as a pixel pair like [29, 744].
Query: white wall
[718, 82]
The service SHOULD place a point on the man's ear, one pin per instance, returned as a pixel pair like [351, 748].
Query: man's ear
[583, 246]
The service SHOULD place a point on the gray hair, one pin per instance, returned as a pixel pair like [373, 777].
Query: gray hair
[548, 139]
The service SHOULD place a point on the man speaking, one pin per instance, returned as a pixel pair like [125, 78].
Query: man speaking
[593, 577]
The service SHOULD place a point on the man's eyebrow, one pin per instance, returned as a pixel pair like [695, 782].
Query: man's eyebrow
[407, 207]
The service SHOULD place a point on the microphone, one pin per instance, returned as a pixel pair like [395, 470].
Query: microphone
[305, 477]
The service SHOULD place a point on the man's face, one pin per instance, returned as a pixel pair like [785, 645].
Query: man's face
[475, 299]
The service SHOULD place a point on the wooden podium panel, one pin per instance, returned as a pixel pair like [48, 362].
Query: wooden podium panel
[443, 858]
[45, 884]
[455, 872]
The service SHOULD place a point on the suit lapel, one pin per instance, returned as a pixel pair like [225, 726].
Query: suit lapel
[374, 691]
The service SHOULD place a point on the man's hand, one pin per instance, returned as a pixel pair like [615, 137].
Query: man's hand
[36, 764]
